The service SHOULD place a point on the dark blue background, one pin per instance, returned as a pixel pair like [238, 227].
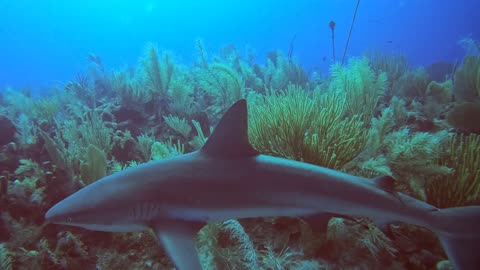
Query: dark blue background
[44, 43]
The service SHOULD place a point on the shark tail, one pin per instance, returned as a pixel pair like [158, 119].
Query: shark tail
[459, 232]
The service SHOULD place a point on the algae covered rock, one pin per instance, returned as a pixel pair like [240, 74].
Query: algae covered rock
[440, 92]
[8, 130]
[465, 117]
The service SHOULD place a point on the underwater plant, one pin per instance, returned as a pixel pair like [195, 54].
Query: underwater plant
[18, 102]
[362, 87]
[157, 71]
[181, 94]
[200, 139]
[69, 141]
[27, 133]
[470, 45]
[5, 259]
[440, 93]
[220, 83]
[144, 144]
[368, 241]
[279, 72]
[45, 109]
[95, 165]
[412, 85]
[179, 125]
[394, 65]
[396, 150]
[223, 83]
[150, 149]
[226, 245]
[166, 149]
[412, 158]
[131, 89]
[434, 105]
[462, 186]
[467, 79]
[309, 128]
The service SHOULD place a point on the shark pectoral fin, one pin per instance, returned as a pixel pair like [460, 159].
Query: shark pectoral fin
[178, 239]
[459, 234]
[462, 252]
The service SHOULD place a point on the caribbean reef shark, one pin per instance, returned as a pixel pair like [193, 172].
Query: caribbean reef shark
[229, 179]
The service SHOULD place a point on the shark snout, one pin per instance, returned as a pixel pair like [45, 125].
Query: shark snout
[56, 213]
[48, 215]
[68, 208]
[75, 205]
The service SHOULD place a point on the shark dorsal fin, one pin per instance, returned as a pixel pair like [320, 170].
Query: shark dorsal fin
[230, 137]
[387, 183]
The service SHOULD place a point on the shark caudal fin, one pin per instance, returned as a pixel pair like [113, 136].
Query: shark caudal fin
[459, 232]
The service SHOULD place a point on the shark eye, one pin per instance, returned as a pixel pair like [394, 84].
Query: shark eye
[69, 219]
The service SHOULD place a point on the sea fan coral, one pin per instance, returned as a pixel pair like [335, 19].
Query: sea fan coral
[467, 79]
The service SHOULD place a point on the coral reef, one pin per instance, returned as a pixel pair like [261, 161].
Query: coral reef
[375, 116]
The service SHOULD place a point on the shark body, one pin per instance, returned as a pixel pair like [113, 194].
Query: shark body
[228, 179]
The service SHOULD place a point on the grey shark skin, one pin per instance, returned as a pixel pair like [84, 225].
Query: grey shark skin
[228, 179]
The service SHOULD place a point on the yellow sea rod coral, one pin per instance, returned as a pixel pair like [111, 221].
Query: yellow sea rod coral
[306, 127]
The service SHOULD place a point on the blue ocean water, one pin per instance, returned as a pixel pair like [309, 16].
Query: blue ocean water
[388, 176]
[46, 43]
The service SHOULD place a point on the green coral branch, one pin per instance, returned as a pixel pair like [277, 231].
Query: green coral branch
[158, 73]
[166, 149]
[395, 65]
[361, 86]
[95, 165]
[59, 154]
[180, 125]
[462, 187]
[198, 141]
[235, 91]
[235, 251]
[312, 129]
[5, 258]
[223, 84]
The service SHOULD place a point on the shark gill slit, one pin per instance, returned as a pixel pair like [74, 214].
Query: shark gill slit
[144, 211]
